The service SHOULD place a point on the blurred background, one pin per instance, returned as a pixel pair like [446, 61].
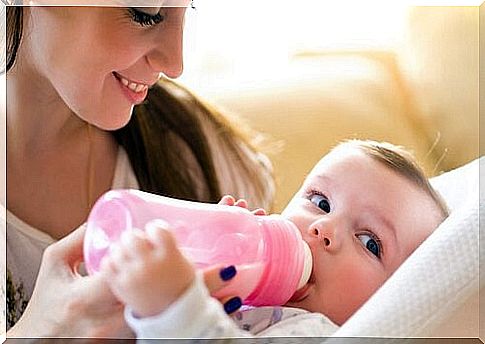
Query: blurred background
[312, 74]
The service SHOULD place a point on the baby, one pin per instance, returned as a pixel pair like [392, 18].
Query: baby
[363, 209]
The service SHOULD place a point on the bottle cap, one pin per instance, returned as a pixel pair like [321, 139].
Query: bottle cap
[307, 266]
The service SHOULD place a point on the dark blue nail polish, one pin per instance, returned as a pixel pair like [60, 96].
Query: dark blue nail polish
[232, 305]
[227, 273]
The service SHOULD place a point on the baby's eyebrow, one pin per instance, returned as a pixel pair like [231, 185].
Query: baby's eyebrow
[321, 178]
[387, 225]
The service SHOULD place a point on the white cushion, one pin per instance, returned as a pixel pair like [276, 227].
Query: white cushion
[441, 276]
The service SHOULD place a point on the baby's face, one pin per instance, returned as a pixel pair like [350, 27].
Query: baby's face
[361, 221]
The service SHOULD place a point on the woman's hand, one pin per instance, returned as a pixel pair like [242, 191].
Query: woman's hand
[230, 200]
[214, 276]
[218, 277]
[66, 304]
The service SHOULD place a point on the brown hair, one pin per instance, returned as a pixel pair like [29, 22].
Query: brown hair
[400, 160]
[155, 156]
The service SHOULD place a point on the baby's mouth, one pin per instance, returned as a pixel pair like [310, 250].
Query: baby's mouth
[304, 292]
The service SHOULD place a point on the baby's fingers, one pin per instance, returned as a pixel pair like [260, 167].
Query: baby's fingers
[160, 234]
[242, 203]
[135, 243]
[259, 211]
[227, 200]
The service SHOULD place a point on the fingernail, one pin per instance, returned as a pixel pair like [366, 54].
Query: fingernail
[227, 273]
[232, 305]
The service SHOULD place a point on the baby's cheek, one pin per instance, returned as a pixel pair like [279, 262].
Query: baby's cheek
[357, 284]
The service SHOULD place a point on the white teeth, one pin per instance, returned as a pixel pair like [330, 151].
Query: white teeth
[132, 86]
[139, 88]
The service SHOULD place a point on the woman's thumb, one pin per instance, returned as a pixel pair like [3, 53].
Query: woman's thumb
[70, 248]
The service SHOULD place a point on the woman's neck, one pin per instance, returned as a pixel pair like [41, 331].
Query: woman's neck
[57, 164]
[37, 117]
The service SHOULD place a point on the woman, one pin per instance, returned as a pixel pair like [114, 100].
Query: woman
[89, 109]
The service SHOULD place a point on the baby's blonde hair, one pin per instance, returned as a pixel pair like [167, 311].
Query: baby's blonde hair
[401, 161]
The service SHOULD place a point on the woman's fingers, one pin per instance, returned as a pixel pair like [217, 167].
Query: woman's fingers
[69, 249]
[231, 304]
[216, 277]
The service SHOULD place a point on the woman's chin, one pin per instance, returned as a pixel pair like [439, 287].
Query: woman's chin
[114, 122]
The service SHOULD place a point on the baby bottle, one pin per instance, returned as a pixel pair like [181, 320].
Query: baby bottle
[270, 256]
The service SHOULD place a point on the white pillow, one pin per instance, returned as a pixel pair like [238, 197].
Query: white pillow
[439, 277]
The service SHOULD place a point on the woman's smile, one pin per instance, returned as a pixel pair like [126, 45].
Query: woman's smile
[133, 91]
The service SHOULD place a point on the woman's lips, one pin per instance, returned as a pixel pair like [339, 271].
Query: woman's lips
[134, 92]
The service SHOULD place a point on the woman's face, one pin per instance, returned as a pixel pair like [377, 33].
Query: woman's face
[101, 60]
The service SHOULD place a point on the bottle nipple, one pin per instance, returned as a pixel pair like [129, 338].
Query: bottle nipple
[307, 266]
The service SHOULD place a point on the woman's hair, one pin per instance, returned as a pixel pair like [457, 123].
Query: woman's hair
[400, 161]
[14, 28]
[152, 138]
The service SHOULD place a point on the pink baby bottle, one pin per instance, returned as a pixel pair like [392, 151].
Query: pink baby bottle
[270, 256]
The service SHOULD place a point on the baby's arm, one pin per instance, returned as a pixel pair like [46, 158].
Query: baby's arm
[194, 315]
[164, 296]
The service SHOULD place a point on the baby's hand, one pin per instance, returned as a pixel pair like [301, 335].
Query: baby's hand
[229, 200]
[146, 271]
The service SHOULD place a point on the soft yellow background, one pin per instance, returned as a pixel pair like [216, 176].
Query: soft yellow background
[420, 90]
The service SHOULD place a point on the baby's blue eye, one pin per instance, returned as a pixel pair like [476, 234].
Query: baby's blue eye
[370, 243]
[321, 202]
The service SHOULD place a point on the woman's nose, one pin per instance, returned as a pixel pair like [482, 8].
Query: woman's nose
[167, 55]
[326, 235]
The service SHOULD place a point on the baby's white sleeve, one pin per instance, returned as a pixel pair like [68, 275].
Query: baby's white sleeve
[194, 315]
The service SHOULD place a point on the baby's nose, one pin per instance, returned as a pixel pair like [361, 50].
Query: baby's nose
[320, 235]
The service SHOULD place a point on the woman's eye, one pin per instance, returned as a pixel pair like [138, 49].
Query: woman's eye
[144, 18]
[371, 243]
[321, 202]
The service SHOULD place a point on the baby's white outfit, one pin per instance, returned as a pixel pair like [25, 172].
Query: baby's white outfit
[197, 315]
